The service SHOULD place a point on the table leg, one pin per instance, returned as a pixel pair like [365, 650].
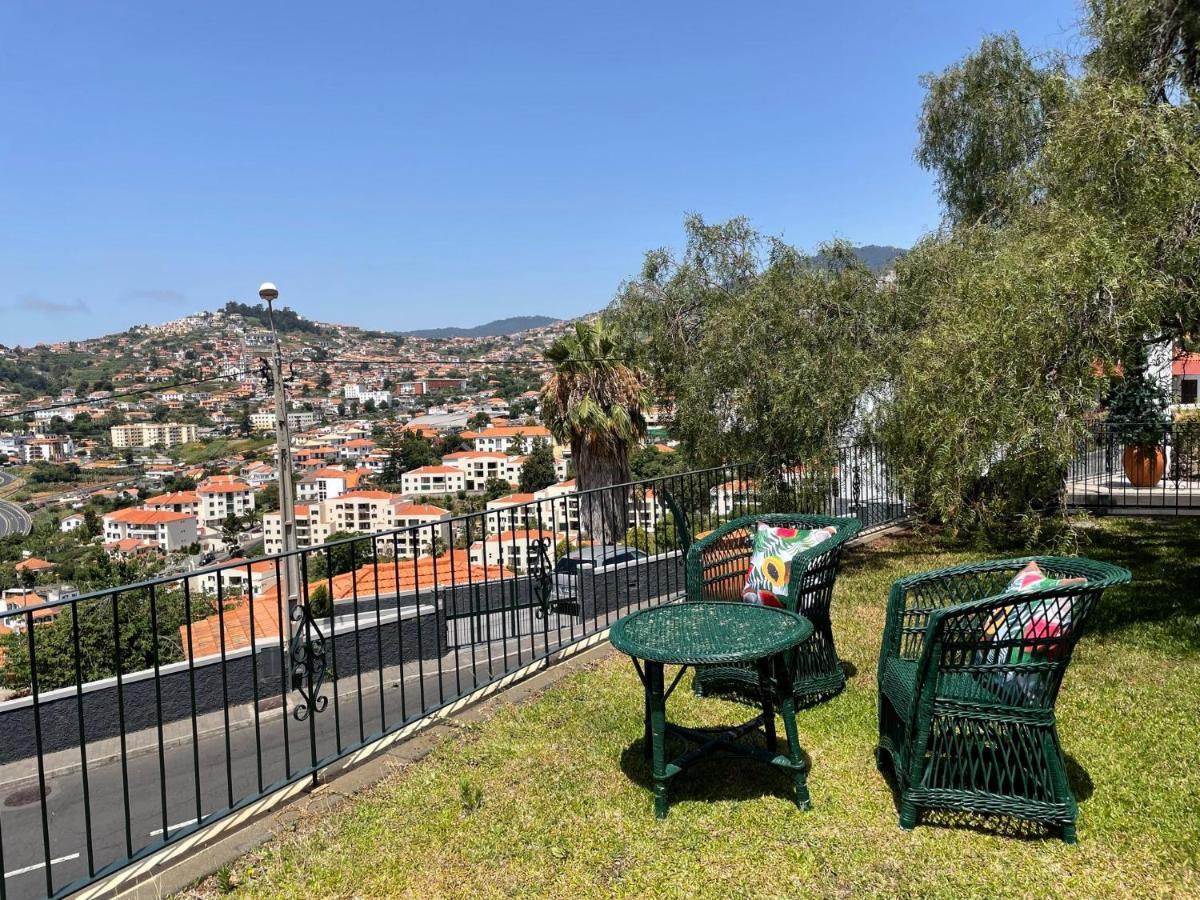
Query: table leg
[648, 738]
[766, 689]
[787, 709]
[658, 734]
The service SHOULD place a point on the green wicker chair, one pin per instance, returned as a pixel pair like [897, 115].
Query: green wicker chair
[716, 570]
[967, 714]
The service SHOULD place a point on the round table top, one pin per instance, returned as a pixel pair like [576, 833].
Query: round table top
[705, 633]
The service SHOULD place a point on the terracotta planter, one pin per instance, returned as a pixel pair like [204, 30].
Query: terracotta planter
[1144, 466]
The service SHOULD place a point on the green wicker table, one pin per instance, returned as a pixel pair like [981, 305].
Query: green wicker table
[705, 634]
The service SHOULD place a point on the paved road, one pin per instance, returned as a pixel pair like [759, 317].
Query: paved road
[13, 519]
[233, 761]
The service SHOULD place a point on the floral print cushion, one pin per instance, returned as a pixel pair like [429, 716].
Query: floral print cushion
[771, 564]
[1037, 625]
[1032, 578]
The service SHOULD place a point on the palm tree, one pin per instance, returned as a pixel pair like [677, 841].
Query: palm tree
[596, 404]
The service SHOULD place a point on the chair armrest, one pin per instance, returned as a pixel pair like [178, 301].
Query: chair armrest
[913, 600]
[717, 559]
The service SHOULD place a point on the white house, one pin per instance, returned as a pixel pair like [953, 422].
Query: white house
[478, 466]
[221, 496]
[433, 480]
[169, 531]
[71, 523]
[512, 440]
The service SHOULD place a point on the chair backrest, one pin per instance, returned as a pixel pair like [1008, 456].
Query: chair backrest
[729, 548]
[1016, 645]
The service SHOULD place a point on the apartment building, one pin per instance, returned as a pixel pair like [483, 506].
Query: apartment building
[152, 434]
[513, 466]
[177, 501]
[426, 385]
[223, 495]
[236, 578]
[422, 523]
[52, 448]
[511, 440]
[480, 466]
[162, 529]
[361, 511]
[327, 483]
[258, 475]
[355, 449]
[518, 550]
[563, 504]
[511, 512]
[433, 480]
[298, 420]
[312, 528]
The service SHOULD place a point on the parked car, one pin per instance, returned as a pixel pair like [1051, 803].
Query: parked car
[578, 563]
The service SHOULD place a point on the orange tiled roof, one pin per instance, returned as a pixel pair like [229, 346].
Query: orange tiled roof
[366, 495]
[223, 487]
[423, 574]
[33, 564]
[513, 499]
[418, 509]
[532, 431]
[146, 516]
[173, 498]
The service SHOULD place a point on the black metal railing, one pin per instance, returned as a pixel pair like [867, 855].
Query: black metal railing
[1157, 472]
[149, 712]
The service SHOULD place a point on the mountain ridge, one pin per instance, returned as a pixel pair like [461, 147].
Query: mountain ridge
[495, 328]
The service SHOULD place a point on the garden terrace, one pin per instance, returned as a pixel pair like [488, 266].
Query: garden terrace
[550, 797]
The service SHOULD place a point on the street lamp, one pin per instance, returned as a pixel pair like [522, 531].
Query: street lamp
[283, 439]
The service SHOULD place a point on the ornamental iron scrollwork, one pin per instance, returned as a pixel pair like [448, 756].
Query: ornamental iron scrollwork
[307, 662]
[541, 578]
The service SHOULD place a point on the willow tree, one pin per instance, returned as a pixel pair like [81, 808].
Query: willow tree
[767, 355]
[1022, 319]
[596, 404]
[983, 120]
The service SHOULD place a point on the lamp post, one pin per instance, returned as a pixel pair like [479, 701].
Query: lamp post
[283, 439]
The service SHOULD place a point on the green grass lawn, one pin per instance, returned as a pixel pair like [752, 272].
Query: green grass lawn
[202, 452]
[550, 798]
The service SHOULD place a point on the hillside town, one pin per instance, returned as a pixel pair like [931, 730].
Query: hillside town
[154, 451]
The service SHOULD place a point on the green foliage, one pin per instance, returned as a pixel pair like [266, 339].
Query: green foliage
[479, 421]
[1138, 407]
[766, 352]
[319, 602]
[136, 651]
[496, 487]
[537, 471]
[415, 450]
[990, 395]
[647, 463]
[231, 529]
[51, 473]
[286, 319]
[470, 796]
[326, 562]
[1153, 43]
[267, 498]
[983, 120]
[596, 403]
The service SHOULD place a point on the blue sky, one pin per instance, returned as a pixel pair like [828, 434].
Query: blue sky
[404, 165]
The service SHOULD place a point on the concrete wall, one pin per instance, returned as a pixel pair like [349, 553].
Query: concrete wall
[420, 634]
